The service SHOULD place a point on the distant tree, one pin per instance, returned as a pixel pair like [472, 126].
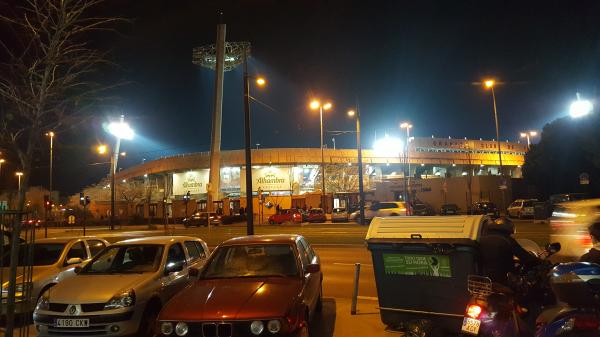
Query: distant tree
[568, 148]
[47, 70]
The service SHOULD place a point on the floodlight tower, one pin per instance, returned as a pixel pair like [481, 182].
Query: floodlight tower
[221, 56]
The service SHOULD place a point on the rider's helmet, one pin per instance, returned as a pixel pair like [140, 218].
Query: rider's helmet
[501, 225]
[594, 230]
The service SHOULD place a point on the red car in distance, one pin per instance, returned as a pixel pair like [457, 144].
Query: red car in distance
[316, 215]
[286, 215]
[263, 285]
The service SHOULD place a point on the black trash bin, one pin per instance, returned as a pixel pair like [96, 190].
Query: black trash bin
[421, 267]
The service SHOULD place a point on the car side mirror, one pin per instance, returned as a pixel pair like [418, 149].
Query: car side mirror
[312, 268]
[193, 272]
[553, 248]
[77, 269]
[173, 267]
[74, 260]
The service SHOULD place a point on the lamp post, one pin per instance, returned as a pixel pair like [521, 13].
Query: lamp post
[120, 130]
[248, 145]
[19, 175]
[1, 162]
[51, 135]
[407, 126]
[314, 105]
[361, 193]
[528, 134]
[489, 84]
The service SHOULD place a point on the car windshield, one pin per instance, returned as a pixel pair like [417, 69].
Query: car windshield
[254, 260]
[44, 254]
[123, 259]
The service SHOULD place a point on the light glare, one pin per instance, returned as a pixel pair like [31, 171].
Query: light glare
[327, 106]
[261, 81]
[315, 104]
[121, 130]
[580, 108]
[489, 83]
[351, 113]
[387, 147]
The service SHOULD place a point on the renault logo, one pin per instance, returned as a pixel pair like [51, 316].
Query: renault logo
[72, 310]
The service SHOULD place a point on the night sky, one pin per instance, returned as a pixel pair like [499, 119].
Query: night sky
[402, 60]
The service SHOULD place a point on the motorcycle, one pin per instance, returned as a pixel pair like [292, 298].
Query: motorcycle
[495, 310]
[577, 288]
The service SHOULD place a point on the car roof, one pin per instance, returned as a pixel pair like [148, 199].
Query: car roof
[66, 239]
[157, 240]
[256, 239]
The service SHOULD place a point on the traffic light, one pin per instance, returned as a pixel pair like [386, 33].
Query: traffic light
[81, 199]
[47, 202]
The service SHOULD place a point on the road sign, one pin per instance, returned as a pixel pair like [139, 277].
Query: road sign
[71, 220]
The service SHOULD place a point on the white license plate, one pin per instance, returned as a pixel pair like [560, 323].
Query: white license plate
[471, 325]
[72, 323]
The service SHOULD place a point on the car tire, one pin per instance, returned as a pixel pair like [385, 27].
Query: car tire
[148, 323]
[319, 306]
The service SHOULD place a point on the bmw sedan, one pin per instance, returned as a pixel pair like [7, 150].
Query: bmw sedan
[266, 285]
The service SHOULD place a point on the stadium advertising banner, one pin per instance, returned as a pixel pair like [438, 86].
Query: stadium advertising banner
[193, 181]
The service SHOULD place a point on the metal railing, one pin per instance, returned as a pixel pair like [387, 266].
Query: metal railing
[16, 265]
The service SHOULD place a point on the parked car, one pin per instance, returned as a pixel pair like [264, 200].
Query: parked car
[339, 214]
[266, 285]
[485, 208]
[304, 214]
[569, 226]
[449, 209]
[422, 209]
[521, 208]
[202, 219]
[286, 215]
[121, 291]
[316, 215]
[54, 260]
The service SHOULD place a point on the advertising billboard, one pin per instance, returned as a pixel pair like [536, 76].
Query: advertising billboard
[193, 181]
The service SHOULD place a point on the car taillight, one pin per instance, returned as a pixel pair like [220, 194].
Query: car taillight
[586, 241]
[474, 310]
[296, 216]
[588, 322]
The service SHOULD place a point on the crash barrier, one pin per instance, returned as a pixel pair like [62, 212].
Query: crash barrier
[16, 263]
[421, 267]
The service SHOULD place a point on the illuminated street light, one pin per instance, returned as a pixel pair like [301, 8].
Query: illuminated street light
[361, 193]
[387, 147]
[407, 126]
[102, 149]
[261, 81]
[580, 108]
[489, 83]
[19, 175]
[528, 134]
[1, 162]
[314, 105]
[121, 130]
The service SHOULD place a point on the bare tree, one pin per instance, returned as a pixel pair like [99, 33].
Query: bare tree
[131, 191]
[46, 77]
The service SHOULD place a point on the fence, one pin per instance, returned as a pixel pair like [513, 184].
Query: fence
[16, 263]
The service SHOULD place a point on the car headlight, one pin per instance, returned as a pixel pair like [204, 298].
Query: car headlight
[274, 326]
[257, 327]
[181, 329]
[44, 302]
[122, 300]
[166, 328]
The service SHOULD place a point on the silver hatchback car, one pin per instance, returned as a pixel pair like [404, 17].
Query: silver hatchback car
[121, 291]
[53, 261]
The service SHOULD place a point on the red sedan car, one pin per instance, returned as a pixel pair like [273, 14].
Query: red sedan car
[316, 215]
[265, 285]
[286, 215]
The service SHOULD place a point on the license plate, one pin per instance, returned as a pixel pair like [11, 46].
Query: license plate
[471, 326]
[72, 323]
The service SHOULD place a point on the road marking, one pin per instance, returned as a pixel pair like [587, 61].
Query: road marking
[368, 298]
[352, 264]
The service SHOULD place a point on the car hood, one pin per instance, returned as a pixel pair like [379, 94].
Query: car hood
[39, 272]
[94, 288]
[233, 299]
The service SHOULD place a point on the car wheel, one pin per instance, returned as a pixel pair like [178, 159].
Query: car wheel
[148, 322]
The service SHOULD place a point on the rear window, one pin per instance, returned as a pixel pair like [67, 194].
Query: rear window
[383, 205]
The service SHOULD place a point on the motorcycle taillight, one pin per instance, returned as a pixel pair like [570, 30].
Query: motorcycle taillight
[474, 310]
[587, 322]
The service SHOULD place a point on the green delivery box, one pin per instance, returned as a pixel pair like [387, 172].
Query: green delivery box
[421, 266]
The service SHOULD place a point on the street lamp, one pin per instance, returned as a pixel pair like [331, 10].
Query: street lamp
[1, 162]
[19, 175]
[51, 135]
[528, 134]
[261, 82]
[314, 105]
[120, 130]
[361, 193]
[489, 84]
[580, 108]
[407, 126]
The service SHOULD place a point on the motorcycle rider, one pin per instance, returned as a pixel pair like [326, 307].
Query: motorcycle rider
[593, 255]
[498, 249]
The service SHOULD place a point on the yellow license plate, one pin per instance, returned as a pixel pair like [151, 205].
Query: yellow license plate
[471, 325]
